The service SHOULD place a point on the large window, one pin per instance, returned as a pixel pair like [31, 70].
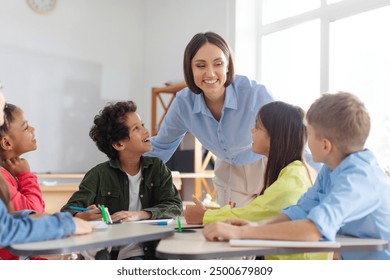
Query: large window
[293, 67]
[307, 47]
[280, 9]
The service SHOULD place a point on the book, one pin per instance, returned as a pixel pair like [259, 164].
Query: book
[283, 243]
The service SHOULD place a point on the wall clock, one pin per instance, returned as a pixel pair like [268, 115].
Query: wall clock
[42, 6]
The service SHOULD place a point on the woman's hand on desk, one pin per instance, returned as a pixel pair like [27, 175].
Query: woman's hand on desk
[82, 227]
[194, 213]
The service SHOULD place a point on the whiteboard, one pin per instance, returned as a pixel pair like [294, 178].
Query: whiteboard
[60, 97]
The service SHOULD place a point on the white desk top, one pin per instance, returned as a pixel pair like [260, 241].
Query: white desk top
[193, 246]
[114, 235]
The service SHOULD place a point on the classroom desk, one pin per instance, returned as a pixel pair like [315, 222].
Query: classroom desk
[114, 235]
[193, 246]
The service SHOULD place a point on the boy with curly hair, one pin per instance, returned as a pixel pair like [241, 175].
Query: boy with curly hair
[133, 187]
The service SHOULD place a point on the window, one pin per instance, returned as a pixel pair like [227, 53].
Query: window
[295, 67]
[278, 9]
[360, 63]
[314, 46]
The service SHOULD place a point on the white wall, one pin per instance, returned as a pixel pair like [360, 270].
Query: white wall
[131, 45]
[97, 31]
[169, 26]
[62, 67]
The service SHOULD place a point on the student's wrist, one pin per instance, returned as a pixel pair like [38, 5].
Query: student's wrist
[145, 215]
[78, 215]
[202, 215]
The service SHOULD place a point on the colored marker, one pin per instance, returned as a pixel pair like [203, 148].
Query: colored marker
[108, 216]
[104, 213]
[78, 208]
[179, 224]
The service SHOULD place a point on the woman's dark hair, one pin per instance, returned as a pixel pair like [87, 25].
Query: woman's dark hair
[192, 48]
[9, 110]
[110, 126]
[287, 132]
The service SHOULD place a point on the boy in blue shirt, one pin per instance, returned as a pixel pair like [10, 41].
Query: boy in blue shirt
[351, 195]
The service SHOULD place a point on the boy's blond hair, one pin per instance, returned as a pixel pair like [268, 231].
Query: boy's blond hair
[342, 118]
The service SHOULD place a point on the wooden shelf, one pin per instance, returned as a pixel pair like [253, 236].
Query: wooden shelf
[158, 94]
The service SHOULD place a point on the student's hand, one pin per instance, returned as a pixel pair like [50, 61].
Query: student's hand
[220, 231]
[82, 227]
[127, 216]
[240, 222]
[194, 213]
[93, 214]
[16, 165]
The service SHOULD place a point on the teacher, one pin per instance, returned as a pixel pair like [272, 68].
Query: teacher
[219, 109]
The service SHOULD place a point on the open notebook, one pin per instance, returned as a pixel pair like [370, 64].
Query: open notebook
[283, 243]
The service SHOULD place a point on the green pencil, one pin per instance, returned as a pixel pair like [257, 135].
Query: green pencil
[179, 224]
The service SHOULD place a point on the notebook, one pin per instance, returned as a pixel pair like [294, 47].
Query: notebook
[157, 221]
[99, 225]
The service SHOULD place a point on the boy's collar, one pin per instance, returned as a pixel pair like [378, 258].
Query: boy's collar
[145, 162]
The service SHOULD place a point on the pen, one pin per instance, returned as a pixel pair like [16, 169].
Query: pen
[78, 208]
[163, 223]
[104, 214]
[179, 224]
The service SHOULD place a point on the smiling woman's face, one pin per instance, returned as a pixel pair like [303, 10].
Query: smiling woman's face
[2, 103]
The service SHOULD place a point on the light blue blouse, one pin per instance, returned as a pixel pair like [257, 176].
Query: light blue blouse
[353, 199]
[230, 138]
[18, 228]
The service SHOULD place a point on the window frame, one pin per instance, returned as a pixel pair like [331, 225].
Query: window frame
[326, 13]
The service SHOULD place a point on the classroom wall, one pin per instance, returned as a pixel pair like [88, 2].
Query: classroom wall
[62, 67]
